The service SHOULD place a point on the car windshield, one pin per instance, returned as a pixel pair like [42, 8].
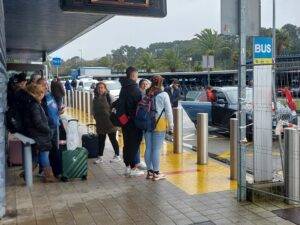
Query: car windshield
[233, 96]
[113, 86]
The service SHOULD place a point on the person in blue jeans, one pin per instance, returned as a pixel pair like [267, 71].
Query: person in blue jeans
[53, 115]
[164, 122]
[36, 127]
[143, 86]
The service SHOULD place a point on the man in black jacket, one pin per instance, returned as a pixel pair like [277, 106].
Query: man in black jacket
[130, 95]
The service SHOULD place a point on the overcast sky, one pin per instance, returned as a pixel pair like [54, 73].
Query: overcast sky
[184, 19]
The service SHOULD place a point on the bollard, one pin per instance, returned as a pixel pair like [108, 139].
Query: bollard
[233, 148]
[178, 127]
[28, 164]
[69, 98]
[72, 99]
[65, 99]
[80, 100]
[76, 100]
[202, 138]
[83, 102]
[91, 103]
[291, 164]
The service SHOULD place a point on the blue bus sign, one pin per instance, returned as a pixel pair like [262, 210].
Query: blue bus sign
[262, 50]
[56, 62]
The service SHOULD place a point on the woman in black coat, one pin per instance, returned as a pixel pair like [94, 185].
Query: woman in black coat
[36, 127]
[102, 110]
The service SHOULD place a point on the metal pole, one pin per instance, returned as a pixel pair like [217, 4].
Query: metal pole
[291, 164]
[83, 102]
[69, 98]
[89, 111]
[57, 71]
[233, 148]
[241, 194]
[28, 165]
[73, 99]
[208, 76]
[274, 54]
[177, 142]
[80, 100]
[202, 138]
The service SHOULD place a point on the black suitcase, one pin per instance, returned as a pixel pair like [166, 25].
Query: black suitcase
[90, 142]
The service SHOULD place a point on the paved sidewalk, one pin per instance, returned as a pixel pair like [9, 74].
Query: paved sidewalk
[107, 197]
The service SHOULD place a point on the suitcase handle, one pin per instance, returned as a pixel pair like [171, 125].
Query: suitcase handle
[72, 120]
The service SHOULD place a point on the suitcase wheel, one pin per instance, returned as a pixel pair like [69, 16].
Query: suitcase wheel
[64, 179]
[84, 177]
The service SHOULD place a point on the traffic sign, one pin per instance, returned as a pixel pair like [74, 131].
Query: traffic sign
[56, 61]
[262, 50]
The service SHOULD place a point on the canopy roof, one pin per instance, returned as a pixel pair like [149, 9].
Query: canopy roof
[36, 27]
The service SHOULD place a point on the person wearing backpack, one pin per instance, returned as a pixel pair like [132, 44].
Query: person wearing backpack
[102, 109]
[130, 95]
[155, 134]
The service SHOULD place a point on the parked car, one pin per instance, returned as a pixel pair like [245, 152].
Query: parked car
[114, 88]
[225, 106]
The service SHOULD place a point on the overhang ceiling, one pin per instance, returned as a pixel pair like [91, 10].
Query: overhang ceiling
[37, 26]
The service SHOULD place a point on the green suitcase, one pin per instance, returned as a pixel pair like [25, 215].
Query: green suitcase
[74, 164]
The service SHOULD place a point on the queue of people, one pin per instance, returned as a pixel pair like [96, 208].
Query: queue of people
[33, 112]
[41, 107]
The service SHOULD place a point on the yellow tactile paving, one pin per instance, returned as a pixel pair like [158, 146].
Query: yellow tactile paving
[181, 169]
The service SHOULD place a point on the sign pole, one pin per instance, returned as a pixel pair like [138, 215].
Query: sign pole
[57, 71]
[241, 194]
[274, 56]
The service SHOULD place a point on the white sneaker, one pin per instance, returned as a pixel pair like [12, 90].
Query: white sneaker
[116, 158]
[136, 172]
[99, 160]
[142, 166]
[127, 171]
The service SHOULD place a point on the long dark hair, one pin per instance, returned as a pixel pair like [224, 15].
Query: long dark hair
[96, 90]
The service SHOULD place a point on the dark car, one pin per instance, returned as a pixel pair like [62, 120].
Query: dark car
[220, 110]
[224, 106]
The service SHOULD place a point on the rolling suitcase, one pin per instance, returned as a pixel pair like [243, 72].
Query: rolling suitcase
[14, 152]
[74, 164]
[91, 143]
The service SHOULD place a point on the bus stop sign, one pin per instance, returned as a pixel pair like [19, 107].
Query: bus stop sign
[56, 62]
[262, 50]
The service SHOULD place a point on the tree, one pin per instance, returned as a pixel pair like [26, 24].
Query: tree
[282, 41]
[208, 41]
[146, 62]
[171, 60]
[106, 61]
[120, 68]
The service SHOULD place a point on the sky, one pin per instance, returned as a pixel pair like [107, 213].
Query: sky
[185, 18]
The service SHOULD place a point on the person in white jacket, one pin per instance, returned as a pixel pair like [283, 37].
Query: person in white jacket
[154, 139]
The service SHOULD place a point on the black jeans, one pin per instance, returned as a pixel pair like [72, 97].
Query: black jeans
[113, 141]
[55, 154]
[132, 137]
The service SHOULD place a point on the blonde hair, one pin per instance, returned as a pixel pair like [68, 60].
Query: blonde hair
[35, 90]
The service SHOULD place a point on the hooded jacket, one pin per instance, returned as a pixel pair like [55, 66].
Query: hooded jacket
[129, 97]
